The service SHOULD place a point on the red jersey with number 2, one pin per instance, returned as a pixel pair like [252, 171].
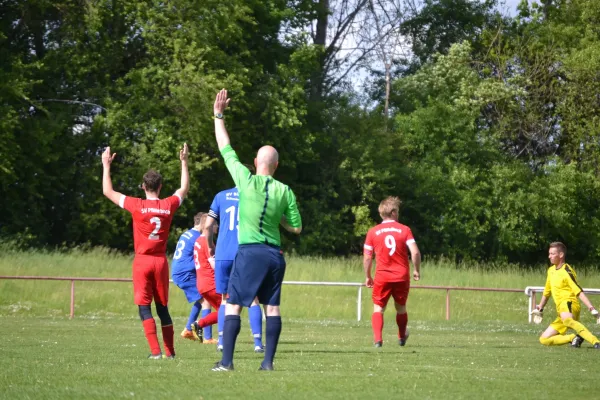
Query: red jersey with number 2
[389, 240]
[151, 222]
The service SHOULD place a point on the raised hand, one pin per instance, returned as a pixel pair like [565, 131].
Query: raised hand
[184, 152]
[221, 102]
[107, 158]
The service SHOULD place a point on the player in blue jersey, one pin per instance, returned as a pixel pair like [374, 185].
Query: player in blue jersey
[183, 273]
[224, 209]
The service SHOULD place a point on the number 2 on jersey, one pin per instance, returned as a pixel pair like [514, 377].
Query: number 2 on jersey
[153, 235]
[390, 243]
[231, 212]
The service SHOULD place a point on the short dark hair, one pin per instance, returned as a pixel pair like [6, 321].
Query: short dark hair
[198, 218]
[152, 180]
[560, 246]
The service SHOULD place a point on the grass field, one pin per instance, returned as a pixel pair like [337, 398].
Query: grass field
[486, 350]
[54, 358]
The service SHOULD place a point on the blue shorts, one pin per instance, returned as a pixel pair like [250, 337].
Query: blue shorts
[186, 281]
[222, 274]
[258, 270]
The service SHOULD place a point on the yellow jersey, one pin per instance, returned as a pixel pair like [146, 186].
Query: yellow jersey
[562, 284]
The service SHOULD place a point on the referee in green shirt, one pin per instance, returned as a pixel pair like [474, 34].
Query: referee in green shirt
[259, 266]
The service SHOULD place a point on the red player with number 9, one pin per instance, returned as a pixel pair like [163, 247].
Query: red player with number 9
[151, 223]
[390, 241]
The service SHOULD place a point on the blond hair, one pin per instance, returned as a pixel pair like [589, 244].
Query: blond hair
[388, 206]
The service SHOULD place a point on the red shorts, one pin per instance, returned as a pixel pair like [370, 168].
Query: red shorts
[213, 298]
[150, 280]
[383, 290]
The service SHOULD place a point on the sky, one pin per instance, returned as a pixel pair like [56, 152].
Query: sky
[507, 7]
[510, 6]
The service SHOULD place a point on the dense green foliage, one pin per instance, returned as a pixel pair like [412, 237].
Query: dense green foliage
[492, 141]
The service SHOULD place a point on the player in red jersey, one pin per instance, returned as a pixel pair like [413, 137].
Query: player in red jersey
[151, 223]
[205, 280]
[390, 241]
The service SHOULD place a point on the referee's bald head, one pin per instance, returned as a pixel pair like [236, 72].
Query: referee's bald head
[266, 160]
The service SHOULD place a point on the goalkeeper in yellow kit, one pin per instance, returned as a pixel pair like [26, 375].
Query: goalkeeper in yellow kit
[562, 284]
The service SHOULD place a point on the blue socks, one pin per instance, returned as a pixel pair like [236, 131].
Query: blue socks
[221, 323]
[231, 329]
[195, 311]
[206, 331]
[255, 319]
[272, 332]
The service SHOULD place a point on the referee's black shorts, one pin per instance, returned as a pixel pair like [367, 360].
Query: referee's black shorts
[258, 270]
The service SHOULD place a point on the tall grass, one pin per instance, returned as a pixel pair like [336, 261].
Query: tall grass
[18, 297]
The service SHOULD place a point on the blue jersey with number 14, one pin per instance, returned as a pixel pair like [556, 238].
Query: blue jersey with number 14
[183, 258]
[224, 209]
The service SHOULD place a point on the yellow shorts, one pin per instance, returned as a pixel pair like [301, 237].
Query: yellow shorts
[566, 306]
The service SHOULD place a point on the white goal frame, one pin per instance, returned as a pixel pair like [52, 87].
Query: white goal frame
[532, 290]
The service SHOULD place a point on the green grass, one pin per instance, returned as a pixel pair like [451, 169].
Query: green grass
[486, 350]
[104, 358]
[97, 299]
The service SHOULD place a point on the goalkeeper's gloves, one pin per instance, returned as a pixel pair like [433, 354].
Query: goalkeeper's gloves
[538, 315]
[595, 314]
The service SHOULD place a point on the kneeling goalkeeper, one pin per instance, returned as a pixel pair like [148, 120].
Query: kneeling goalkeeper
[562, 284]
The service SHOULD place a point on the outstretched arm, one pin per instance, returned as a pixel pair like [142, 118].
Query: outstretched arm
[542, 303]
[107, 187]
[185, 175]
[587, 302]
[221, 103]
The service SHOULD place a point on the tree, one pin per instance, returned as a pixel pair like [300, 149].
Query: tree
[438, 24]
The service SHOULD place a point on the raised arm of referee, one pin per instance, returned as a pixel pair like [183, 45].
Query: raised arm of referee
[259, 265]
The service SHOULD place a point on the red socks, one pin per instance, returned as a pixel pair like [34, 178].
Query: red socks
[210, 319]
[377, 323]
[150, 331]
[402, 321]
[167, 332]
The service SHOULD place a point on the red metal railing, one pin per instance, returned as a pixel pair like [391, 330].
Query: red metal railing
[448, 288]
[355, 284]
[68, 278]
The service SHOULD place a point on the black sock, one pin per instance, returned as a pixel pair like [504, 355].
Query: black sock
[273, 331]
[231, 329]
